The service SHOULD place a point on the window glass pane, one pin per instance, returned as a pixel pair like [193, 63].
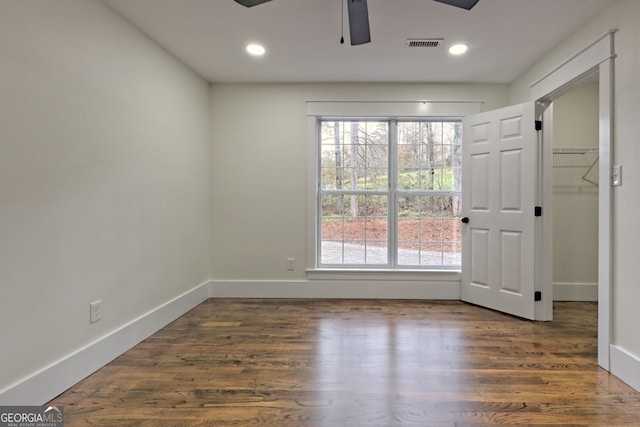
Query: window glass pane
[332, 154]
[354, 155]
[355, 232]
[429, 230]
[429, 156]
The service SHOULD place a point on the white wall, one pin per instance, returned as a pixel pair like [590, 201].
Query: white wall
[575, 202]
[260, 167]
[104, 179]
[623, 15]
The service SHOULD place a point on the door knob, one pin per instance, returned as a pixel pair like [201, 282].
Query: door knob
[465, 220]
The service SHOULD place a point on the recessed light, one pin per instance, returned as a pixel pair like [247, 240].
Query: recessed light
[255, 49]
[458, 49]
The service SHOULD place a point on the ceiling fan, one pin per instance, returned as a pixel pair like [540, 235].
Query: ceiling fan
[359, 16]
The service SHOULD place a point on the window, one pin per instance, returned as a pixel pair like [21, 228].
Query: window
[389, 193]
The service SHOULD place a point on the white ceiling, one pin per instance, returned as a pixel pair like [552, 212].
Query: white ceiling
[302, 38]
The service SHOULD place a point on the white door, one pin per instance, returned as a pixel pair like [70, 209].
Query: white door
[499, 158]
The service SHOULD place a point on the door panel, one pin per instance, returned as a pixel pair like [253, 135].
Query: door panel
[510, 185]
[498, 197]
[480, 261]
[510, 262]
[479, 184]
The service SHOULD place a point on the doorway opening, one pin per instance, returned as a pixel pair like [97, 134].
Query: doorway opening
[575, 157]
[597, 59]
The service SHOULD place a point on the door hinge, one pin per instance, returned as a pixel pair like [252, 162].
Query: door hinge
[537, 296]
[537, 211]
[538, 125]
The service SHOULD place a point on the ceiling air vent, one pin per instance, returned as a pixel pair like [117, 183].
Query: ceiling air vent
[424, 42]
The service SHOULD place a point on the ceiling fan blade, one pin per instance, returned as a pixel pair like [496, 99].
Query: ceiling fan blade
[464, 4]
[250, 3]
[358, 22]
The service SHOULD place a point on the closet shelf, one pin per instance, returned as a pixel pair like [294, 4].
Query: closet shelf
[582, 160]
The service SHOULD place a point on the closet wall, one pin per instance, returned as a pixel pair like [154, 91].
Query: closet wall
[575, 194]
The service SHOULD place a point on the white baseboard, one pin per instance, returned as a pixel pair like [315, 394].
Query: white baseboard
[46, 384]
[625, 366]
[575, 292]
[353, 289]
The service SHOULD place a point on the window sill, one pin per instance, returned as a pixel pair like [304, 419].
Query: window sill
[384, 275]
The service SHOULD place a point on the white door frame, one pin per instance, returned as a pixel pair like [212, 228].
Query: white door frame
[597, 57]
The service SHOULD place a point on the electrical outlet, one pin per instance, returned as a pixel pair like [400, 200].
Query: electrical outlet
[95, 311]
[291, 264]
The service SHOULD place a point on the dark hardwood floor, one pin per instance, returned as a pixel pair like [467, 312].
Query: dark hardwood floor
[243, 362]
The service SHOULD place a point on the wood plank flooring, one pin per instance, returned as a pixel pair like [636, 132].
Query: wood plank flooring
[264, 362]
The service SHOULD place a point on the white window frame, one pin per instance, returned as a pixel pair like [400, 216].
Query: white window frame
[317, 110]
